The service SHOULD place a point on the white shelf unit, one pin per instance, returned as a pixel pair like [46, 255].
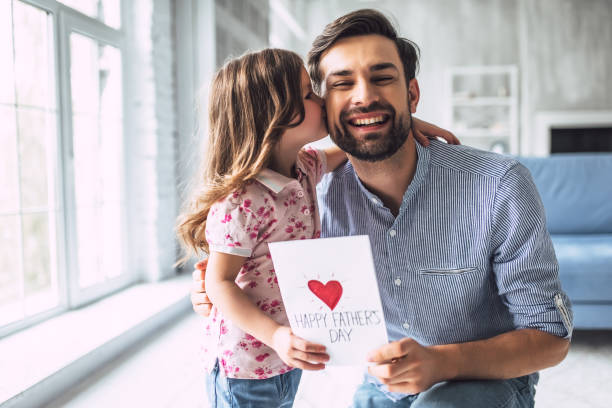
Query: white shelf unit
[482, 106]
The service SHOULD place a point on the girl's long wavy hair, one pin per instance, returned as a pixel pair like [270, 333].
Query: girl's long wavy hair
[253, 100]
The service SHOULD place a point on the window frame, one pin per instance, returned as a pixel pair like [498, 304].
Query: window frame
[72, 21]
[61, 212]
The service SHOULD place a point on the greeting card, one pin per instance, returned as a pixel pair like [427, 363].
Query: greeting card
[330, 293]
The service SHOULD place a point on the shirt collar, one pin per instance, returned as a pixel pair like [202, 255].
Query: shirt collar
[273, 180]
[422, 167]
[276, 181]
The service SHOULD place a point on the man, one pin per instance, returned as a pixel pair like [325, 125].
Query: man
[465, 266]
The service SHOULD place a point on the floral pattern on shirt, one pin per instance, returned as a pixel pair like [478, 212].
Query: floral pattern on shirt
[269, 209]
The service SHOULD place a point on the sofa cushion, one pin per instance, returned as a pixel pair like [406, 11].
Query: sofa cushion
[585, 266]
[576, 189]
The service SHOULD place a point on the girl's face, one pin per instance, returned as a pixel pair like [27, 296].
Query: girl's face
[313, 126]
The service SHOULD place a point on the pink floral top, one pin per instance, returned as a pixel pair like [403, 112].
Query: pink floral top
[272, 208]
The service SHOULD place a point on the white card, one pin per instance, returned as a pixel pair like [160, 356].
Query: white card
[331, 296]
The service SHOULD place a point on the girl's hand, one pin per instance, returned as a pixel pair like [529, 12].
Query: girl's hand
[297, 352]
[425, 130]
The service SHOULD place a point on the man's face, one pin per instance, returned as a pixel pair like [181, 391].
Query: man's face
[366, 97]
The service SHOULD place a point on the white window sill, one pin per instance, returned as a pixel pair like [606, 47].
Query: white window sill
[39, 363]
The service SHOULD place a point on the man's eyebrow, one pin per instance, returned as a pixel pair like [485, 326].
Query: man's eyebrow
[376, 67]
[344, 72]
[383, 66]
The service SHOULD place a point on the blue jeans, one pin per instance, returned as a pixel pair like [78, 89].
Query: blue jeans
[278, 391]
[513, 393]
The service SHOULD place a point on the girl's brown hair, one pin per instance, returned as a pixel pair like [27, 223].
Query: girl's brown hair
[253, 100]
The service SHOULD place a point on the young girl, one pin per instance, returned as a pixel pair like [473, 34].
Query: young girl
[258, 187]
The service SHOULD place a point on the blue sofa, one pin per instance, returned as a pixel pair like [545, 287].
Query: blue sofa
[576, 190]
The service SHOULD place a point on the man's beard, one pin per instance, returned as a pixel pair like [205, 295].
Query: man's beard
[385, 147]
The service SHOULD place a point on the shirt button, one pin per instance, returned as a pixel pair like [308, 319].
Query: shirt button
[307, 212]
[374, 200]
[300, 194]
[406, 325]
[392, 232]
[398, 282]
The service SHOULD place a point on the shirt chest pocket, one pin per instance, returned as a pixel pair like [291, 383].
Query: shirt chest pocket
[448, 272]
[452, 283]
[451, 294]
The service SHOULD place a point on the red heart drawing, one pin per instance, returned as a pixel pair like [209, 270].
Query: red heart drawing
[329, 293]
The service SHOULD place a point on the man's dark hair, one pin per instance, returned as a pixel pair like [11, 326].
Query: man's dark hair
[361, 22]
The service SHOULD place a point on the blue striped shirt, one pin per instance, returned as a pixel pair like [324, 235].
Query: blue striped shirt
[468, 256]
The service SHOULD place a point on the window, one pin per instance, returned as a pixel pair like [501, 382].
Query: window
[62, 202]
[97, 135]
[106, 11]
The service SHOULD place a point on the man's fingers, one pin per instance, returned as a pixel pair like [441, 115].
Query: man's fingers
[200, 299]
[198, 286]
[200, 308]
[198, 275]
[391, 351]
[203, 310]
[391, 373]
[402, 378]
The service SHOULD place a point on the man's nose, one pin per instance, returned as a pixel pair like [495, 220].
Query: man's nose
[364, 93]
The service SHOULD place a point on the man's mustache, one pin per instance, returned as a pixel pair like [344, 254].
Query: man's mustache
[374, 106]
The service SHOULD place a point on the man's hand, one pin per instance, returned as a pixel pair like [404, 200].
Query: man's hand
[406, 366]
[297, 352]
[199, 299]
[425, 130]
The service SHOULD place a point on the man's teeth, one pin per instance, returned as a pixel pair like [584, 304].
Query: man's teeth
[368, 121]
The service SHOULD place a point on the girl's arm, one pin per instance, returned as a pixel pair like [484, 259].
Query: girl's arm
[425, 130]
[335, 157]
[222, 290]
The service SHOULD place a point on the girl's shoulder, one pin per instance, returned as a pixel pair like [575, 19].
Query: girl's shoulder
[249, 191]
[250, 200]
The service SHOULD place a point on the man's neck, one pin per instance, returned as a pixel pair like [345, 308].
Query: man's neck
[389, 178]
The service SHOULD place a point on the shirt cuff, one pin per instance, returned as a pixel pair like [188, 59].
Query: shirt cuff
[561, 303]
[232, 250]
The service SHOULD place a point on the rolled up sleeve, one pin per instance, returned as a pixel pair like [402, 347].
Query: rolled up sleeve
[524, 261]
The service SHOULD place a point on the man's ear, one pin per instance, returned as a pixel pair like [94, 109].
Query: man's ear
[414, 94]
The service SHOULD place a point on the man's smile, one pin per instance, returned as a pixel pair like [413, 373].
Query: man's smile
[370, 122]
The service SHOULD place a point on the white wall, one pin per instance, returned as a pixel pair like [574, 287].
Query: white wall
[566, 61]
[151, 136]
[563, 48]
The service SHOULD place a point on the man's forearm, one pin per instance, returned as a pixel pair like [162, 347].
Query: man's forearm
[507, 355]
